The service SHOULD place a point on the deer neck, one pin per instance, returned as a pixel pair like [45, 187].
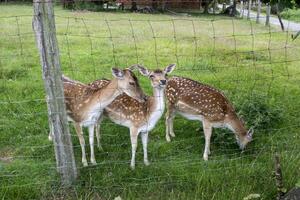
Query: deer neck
[107, 94]
[240, 131]
[157, 103]
[155, 109]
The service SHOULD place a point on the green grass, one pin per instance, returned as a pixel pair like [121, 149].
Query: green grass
[258, 70]
[291, 14]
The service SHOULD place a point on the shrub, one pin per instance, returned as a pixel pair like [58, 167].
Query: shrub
[258, 113]
[291, 14]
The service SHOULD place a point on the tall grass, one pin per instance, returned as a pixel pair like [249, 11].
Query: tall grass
[257, 69]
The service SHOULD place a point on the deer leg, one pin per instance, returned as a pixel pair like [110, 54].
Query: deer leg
[91, 140]
[97, 127]
[207, 127]
[78, 129]
[133, 137]
[169, 122]
[145, 143]
[51, 132]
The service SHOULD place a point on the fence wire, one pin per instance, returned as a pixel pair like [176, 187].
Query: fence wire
[257, 67]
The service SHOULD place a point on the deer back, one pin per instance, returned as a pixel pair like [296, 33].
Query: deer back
[77, 95]
[124, 108]
[192, 97]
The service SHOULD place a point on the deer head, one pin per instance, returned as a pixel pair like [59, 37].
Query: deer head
[246, 139]
[129, 84]
[158, 77]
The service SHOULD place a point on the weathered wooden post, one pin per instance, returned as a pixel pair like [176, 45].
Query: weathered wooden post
[249, 9]
[268, 11]
[278, 178]
[258, 11]
[44, 28]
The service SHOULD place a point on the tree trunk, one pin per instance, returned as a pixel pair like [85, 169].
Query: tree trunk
[279, 17]
[206, 5]
[234, 11]
[268, 12]
[258, 11]
[249, 9]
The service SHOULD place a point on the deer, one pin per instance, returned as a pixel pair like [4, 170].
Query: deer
[85, 104]
[139, 117]
[197, 101]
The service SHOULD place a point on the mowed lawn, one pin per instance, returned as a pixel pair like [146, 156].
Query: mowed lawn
[256, 67]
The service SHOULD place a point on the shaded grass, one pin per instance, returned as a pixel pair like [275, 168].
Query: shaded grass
[258, 70]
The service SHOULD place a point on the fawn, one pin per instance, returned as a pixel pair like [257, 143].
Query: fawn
[139, 117]
[85, 104]
[197, 101]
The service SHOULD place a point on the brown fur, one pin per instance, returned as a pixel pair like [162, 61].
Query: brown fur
[85, 103]
[126, 108]
[137, 116]
[196, 100]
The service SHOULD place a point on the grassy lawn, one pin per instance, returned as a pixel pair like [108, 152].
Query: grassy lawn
[291, 14]
[257, 68]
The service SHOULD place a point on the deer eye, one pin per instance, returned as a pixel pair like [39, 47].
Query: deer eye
[151, 76]
[131, 83]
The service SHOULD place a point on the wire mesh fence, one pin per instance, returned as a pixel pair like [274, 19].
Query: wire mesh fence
[257, 68]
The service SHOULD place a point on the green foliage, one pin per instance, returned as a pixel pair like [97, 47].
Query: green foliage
[13, 74]
[97, 5]
[283, 4]
[298, 184]
[86, 5]
[291, 14]
[259, 114]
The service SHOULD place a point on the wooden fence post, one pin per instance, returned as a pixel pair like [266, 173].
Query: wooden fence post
[44, 27]
[249, 9]
[278, 178]
[268, 11]
[258, 11]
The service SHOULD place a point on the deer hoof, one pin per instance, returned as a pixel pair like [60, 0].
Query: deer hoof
[132, 167]
[85, 164]
[172, 134]
[50, 138]
[205, 157]
[168, 138]
[146, 162]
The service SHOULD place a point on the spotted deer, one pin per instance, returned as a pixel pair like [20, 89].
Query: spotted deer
[139, 117]
[85, 104]
[197, 101]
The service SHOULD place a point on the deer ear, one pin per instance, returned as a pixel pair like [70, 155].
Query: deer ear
[242, 119]
[143, 70]
[118, 73]
[250, 132]
[134, 67]
[169, 68]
